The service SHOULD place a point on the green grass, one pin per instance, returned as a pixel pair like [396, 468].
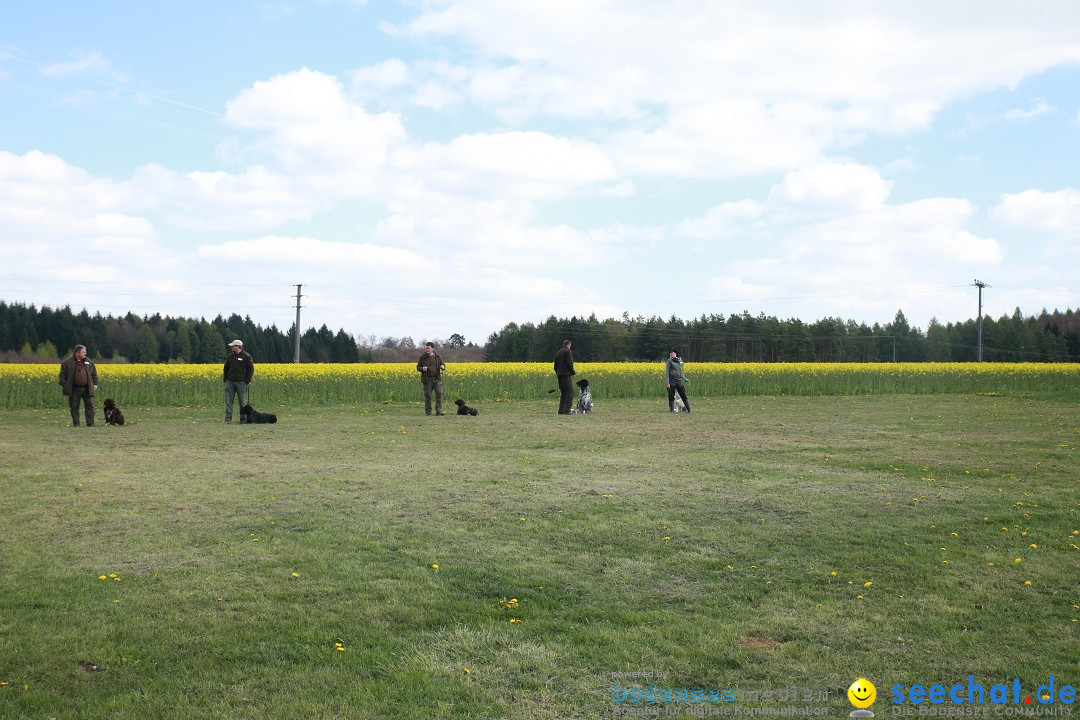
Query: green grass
[634, 540]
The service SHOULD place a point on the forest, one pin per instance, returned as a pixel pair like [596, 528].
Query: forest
[45, 334]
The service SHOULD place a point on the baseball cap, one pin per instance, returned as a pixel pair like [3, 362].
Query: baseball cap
[236, 342]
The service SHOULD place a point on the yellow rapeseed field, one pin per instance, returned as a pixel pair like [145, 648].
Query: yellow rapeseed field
[36, 386]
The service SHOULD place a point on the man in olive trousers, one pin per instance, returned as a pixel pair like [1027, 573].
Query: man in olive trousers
[79, 379]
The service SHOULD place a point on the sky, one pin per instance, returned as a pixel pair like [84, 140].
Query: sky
[433, 167]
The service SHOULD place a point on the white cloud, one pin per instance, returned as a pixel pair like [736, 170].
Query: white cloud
[734, 88]
[727, 219]
[82, 63]
[1055, 212]
[299, 254]
[832, 189]
[310, 128]
[1040, 108]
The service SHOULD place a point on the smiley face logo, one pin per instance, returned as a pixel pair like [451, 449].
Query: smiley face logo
[862, 693]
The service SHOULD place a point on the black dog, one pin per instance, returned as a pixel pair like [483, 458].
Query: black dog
[463, 409]
[113, 416]
[252, 416]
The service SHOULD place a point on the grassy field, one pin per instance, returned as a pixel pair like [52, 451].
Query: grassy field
[365, 561]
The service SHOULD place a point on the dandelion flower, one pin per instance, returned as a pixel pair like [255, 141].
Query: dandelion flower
[1033, 546]
[666, 538]
[101, 577]
[1018, 561]
[832, 574]
[435, 566]
[867, 584]
[1028, 583]
[296, 574]
[467, 671]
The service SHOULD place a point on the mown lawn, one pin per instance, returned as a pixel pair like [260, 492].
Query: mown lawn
[290, 570]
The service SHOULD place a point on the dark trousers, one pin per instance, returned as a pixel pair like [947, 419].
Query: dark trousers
[677, 386]
[234, 388]
[436, 385]
[566, 394]
[81, 394]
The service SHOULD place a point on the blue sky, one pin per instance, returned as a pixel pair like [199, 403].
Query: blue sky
[436, 167]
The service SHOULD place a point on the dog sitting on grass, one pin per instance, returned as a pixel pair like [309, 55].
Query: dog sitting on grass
[113, 416]
[463, 409]
[584, 401]
[251, 416]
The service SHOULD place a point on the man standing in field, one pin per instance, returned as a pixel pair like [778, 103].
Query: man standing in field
[239, 369]
[79, 379]
[675, 379]
[430, 367]
[564, 370]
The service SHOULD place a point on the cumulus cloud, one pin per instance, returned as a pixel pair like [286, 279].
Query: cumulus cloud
[306, 125]
[847, 238]
[794, 83]
[1056, 212]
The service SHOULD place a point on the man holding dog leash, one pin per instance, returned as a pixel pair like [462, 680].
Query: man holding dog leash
[239, 369]
[430, 367]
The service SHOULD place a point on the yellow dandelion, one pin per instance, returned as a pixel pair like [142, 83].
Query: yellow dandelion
[1018, 560]
[990, 564]
[101, 577]
[858, 597]
[1033, 546]
[867, 584]
[1028, 583]
[467, 671]
[514, 620]
[832, 574]
[666, 538]
[434, 566]
[296, 574]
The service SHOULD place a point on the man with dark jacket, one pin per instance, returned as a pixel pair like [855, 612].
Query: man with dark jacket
[430, 367]
[675, 380]
[79, 379]
[239, 369]
[564, 370]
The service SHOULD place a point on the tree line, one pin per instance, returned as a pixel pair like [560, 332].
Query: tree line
[46, 334]
[1048, 337]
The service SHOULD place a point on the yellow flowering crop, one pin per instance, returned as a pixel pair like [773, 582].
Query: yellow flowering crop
[35, 385]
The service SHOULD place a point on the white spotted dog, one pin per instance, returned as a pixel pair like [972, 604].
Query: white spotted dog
[584, 401]
[680, 406]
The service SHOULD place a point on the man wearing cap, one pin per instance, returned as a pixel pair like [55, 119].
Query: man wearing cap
[78, 378]
[675, 379]
[239, 369]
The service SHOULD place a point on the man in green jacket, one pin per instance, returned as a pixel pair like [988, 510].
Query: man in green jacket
[79, 379]
[430, 367]
[239, 369]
